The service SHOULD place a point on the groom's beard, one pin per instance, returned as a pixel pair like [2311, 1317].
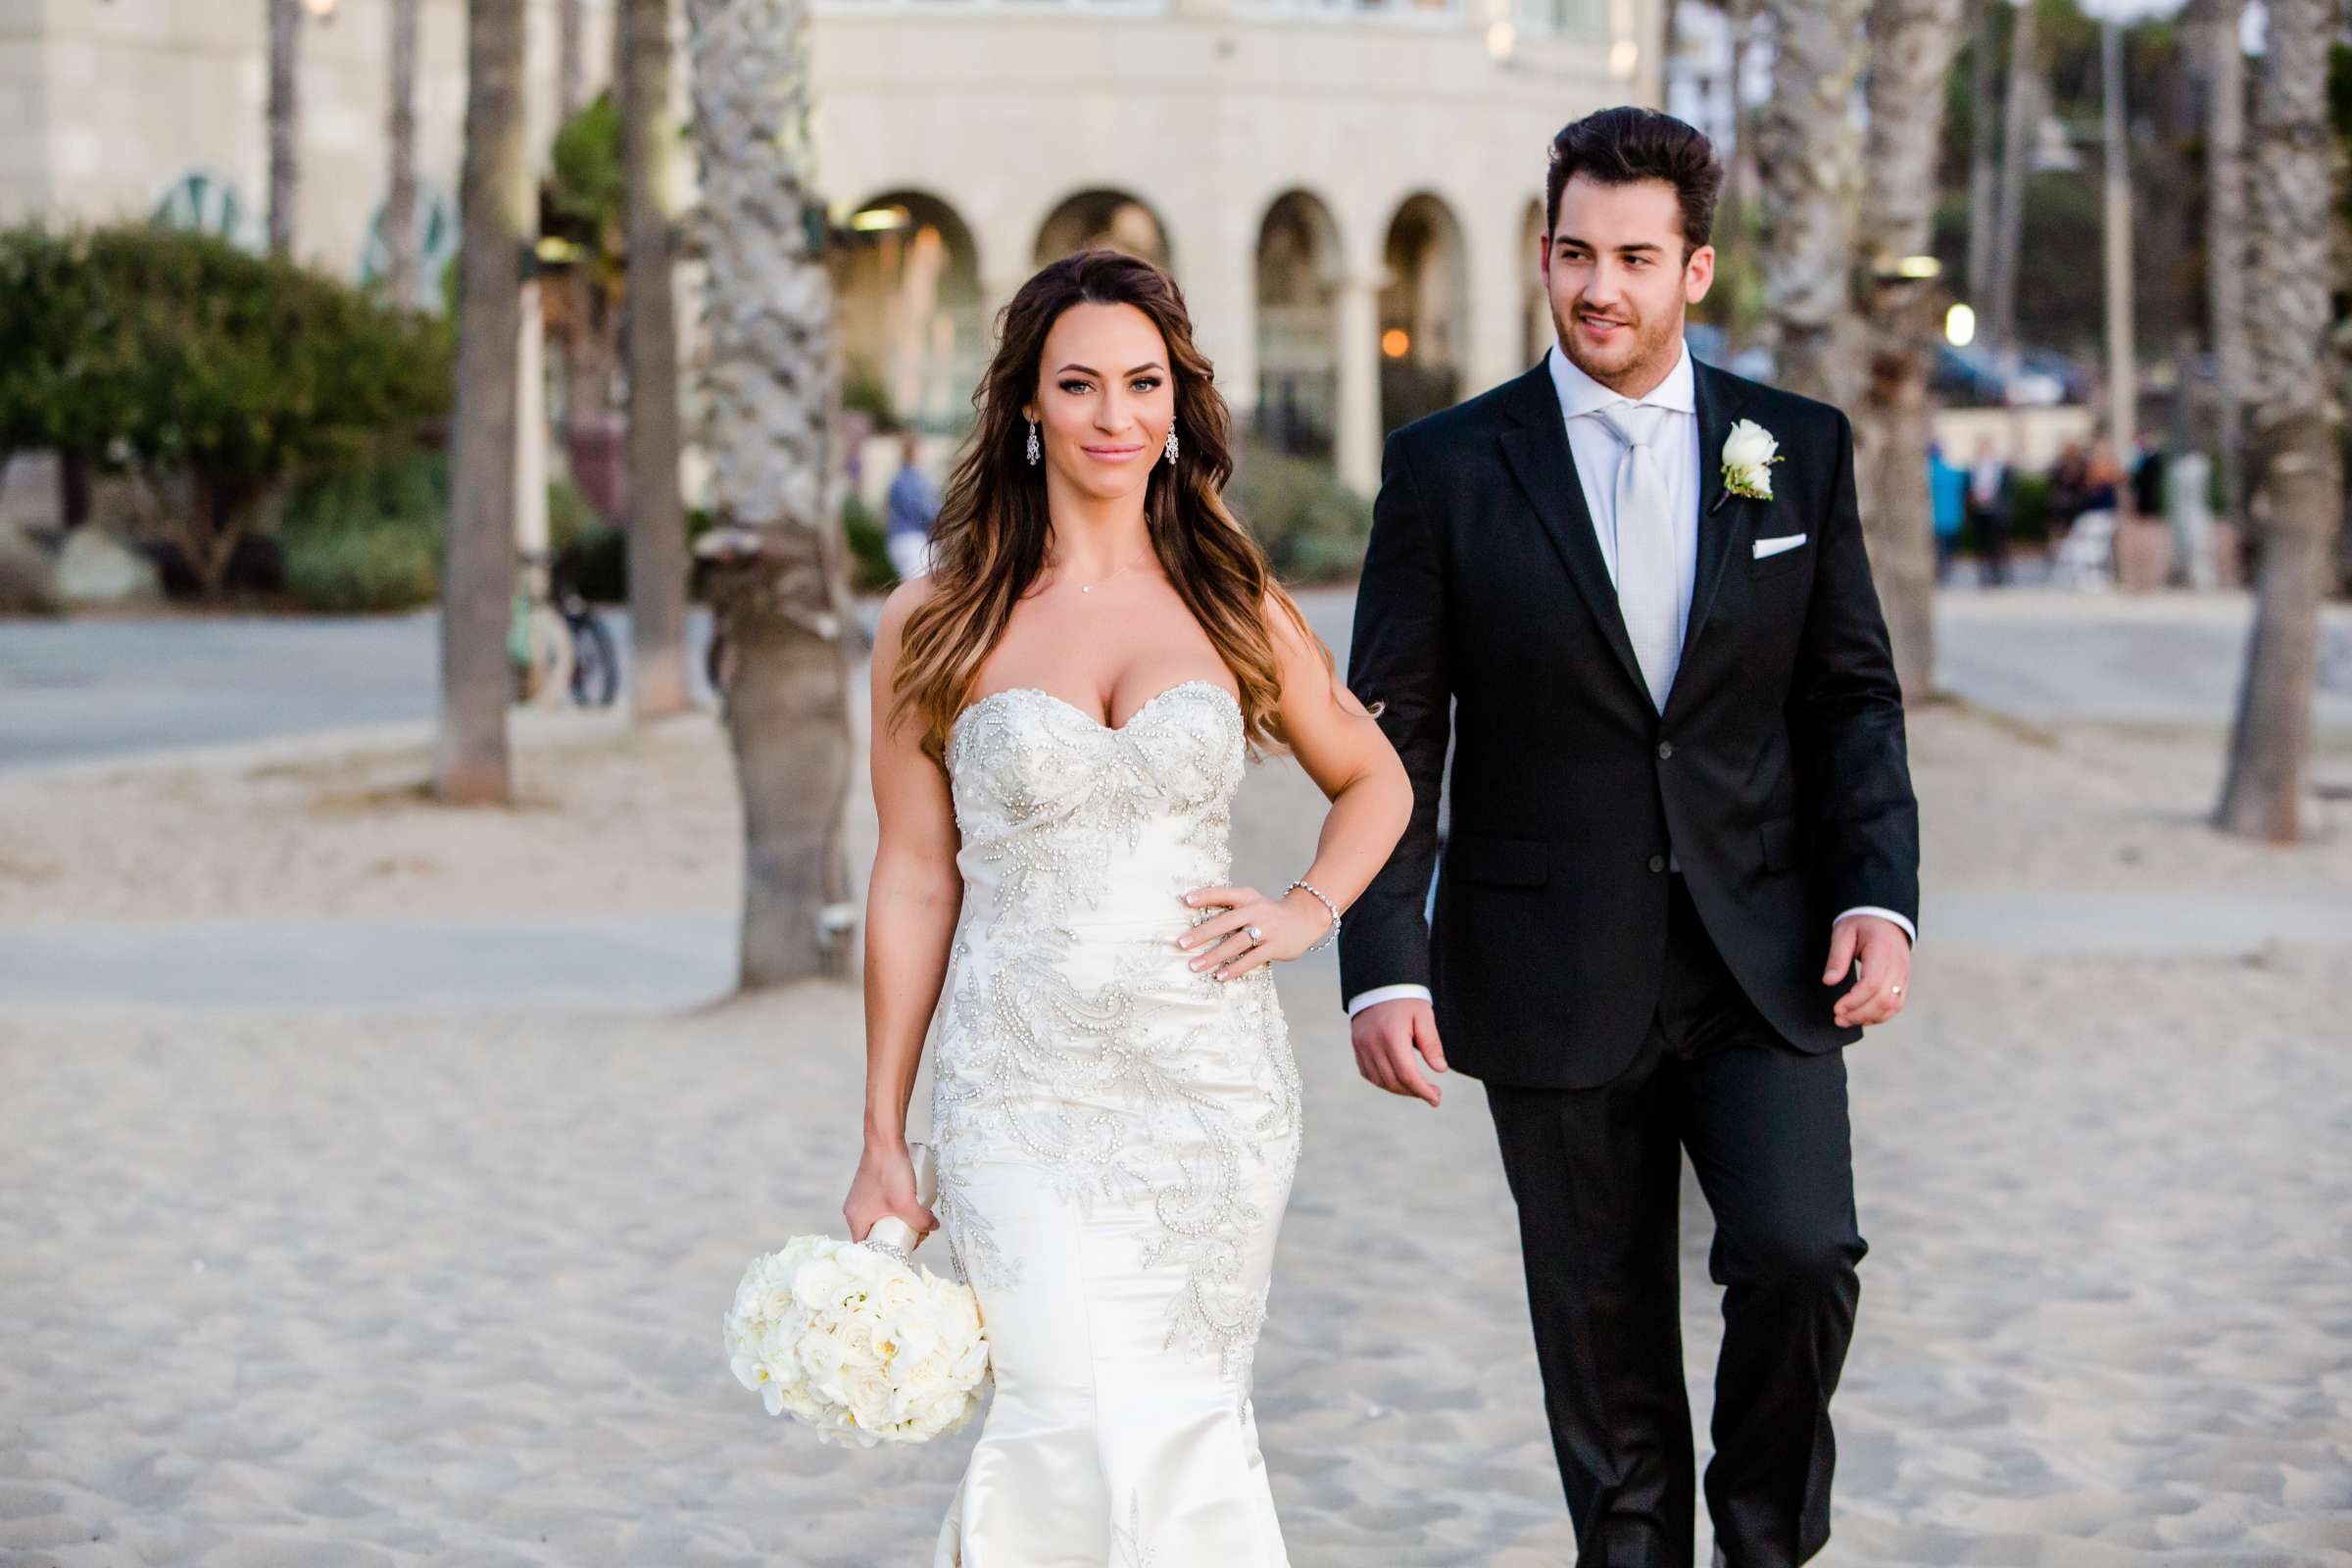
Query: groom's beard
[1648, 354]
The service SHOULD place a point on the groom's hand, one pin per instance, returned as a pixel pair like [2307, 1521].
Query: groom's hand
[1388, 1035]
[1883, 954]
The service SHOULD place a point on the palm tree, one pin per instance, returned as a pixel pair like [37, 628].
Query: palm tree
[1984, 154]
[2225, 237]
[1811, 159]
[499, 215]
[399, 131]
[284, 115]
[2017, 135]
[1912, 43]
[771, 385]
[2298, 472]
[657, 514]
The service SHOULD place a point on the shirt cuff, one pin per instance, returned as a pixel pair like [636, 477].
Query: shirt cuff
[1909, 930]
[1365, 998]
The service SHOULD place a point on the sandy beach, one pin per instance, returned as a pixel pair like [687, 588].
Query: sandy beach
[313, 1286]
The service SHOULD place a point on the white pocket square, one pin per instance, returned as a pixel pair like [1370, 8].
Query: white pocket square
[1773, 547]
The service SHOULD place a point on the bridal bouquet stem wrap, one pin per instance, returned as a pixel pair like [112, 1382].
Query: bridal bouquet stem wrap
[856, 1341]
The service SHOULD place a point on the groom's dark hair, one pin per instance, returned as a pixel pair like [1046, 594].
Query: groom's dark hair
[1624, 145]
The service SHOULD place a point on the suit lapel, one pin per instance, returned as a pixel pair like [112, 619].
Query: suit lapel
[1536, 445]
[1722, 517]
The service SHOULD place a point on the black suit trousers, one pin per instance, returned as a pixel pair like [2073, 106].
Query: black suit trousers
[1596, 1175]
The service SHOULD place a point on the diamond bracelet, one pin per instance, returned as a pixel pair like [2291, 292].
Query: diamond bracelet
[1330, 936]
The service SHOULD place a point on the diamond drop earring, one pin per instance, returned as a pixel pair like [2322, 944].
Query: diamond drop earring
[1171, 447]
[1033, 449]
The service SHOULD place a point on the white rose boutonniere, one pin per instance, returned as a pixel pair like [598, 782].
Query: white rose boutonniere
[1749, 453]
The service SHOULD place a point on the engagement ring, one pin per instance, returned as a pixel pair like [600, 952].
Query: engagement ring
[1256, 935]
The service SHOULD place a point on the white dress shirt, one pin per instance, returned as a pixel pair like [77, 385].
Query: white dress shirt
[1597, 452]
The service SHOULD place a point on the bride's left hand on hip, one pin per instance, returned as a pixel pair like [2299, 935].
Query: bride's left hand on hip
[1253, 930]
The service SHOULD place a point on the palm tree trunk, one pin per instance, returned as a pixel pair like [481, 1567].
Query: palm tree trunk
[1983, 160]
[2226, 243]
[399, 131]
[2298, 468]
[284, 114]
[657, 514]
[1811, 157]
[479, 564]
[2017, 134]
[772, 388]
[1737, 214]
[1911, 47]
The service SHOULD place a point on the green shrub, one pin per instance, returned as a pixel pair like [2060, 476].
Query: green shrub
[407, 491]
[595, 561]
[354, 570]
[369, 537]
[165, 353]
[366, 537]
[2029, 507]
[597, 564]
[1313, 527]
[569, 517]
[871, 569]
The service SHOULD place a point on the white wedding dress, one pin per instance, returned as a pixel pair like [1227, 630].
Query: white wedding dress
[1117, 1136]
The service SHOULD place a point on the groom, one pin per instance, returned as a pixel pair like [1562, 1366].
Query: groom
[1681, 870]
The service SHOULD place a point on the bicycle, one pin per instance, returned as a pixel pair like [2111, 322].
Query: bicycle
[556, 641]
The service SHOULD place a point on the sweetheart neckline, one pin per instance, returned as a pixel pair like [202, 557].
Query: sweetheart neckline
[1068, 706]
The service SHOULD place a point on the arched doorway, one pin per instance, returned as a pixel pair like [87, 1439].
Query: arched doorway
[1297, 325]
[914, 325]
[1424, 312]
[1110, 217]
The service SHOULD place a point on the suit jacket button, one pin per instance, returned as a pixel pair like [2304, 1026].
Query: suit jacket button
[1657, 863]
[1665, 751]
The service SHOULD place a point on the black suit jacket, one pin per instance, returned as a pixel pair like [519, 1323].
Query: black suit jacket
[1777, 776]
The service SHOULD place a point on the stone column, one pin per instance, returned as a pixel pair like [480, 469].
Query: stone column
[1218, 272]
[1499, 267]
[1357, 437]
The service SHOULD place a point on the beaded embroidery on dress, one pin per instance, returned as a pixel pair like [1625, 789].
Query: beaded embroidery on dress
[1117, 1136]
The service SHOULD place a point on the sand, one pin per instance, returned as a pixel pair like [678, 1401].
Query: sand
[293, 1288]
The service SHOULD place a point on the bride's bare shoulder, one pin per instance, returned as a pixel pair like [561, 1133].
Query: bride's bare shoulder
[900, 603]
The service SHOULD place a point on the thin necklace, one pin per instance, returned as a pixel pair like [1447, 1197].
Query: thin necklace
[1089, 587]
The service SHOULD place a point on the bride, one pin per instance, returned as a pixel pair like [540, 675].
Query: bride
[1061, 714]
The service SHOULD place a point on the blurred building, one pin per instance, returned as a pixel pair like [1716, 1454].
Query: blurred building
[1349, 193]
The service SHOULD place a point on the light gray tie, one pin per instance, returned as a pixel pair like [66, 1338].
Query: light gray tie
[1649, 587]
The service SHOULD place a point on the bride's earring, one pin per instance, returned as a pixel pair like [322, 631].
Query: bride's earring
[1171, 447]
[1034, 454]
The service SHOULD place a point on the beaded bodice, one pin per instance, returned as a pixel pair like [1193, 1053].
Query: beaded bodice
[1068, 821]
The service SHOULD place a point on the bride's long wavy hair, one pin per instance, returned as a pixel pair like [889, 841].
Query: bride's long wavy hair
[988, 543]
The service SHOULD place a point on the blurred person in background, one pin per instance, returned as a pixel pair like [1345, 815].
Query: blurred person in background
[2188, 508]
[1947, 500]
[2070, 478]
[2147, 477]
[913, 503]
[2102, 480]
[1989, 500]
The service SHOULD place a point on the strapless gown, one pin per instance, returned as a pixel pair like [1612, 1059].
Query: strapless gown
[1117, 1136]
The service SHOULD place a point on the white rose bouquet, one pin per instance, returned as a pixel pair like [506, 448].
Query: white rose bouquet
[856, 1341]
